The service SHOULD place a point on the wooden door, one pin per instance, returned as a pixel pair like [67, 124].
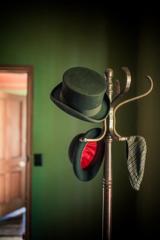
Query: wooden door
[12, 152]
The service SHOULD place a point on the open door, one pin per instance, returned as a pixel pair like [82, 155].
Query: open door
[15, 140]
[12, 152]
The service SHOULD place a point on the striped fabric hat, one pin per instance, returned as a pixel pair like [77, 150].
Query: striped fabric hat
[136, 157]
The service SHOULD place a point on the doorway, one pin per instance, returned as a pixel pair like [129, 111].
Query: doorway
[15, 149]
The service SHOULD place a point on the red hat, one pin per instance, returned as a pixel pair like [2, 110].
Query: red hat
[86, 157]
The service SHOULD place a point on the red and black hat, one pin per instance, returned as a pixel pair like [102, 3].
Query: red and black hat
[86, 157]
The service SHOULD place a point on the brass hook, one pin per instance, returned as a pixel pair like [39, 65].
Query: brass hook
[126, 87]
[111, 120]
[113, 109]
[98, 138]
[130, 100]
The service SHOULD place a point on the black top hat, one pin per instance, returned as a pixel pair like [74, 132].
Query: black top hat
[82, 94]
[86, 157]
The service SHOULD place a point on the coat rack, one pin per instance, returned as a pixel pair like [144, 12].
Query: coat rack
[110, 134]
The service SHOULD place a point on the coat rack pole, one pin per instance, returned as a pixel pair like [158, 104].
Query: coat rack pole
[107, 186]
[107, 175]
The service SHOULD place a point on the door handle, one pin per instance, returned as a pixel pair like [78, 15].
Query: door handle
[22, 164]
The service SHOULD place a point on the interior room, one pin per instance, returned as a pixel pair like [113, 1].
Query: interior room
[43, 41]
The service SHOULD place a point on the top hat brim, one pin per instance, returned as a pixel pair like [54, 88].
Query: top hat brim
[99, 117]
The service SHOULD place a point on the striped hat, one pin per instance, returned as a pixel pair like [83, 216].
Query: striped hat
[136, 157]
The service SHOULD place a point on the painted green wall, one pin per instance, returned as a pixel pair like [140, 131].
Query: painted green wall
[52, 40]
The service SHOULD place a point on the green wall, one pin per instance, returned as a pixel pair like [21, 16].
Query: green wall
[148, 201]
[53, 40]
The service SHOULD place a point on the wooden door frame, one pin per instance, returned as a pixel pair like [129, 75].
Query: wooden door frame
[28, 69]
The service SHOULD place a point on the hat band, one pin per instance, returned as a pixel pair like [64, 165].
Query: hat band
[87, 112]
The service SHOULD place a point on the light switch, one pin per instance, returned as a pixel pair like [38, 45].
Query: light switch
[38, 159]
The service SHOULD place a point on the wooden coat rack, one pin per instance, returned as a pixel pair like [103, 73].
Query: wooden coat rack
[110, 134]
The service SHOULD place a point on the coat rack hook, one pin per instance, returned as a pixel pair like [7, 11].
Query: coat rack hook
[126, 87]
[103, 133]
[130, 100]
